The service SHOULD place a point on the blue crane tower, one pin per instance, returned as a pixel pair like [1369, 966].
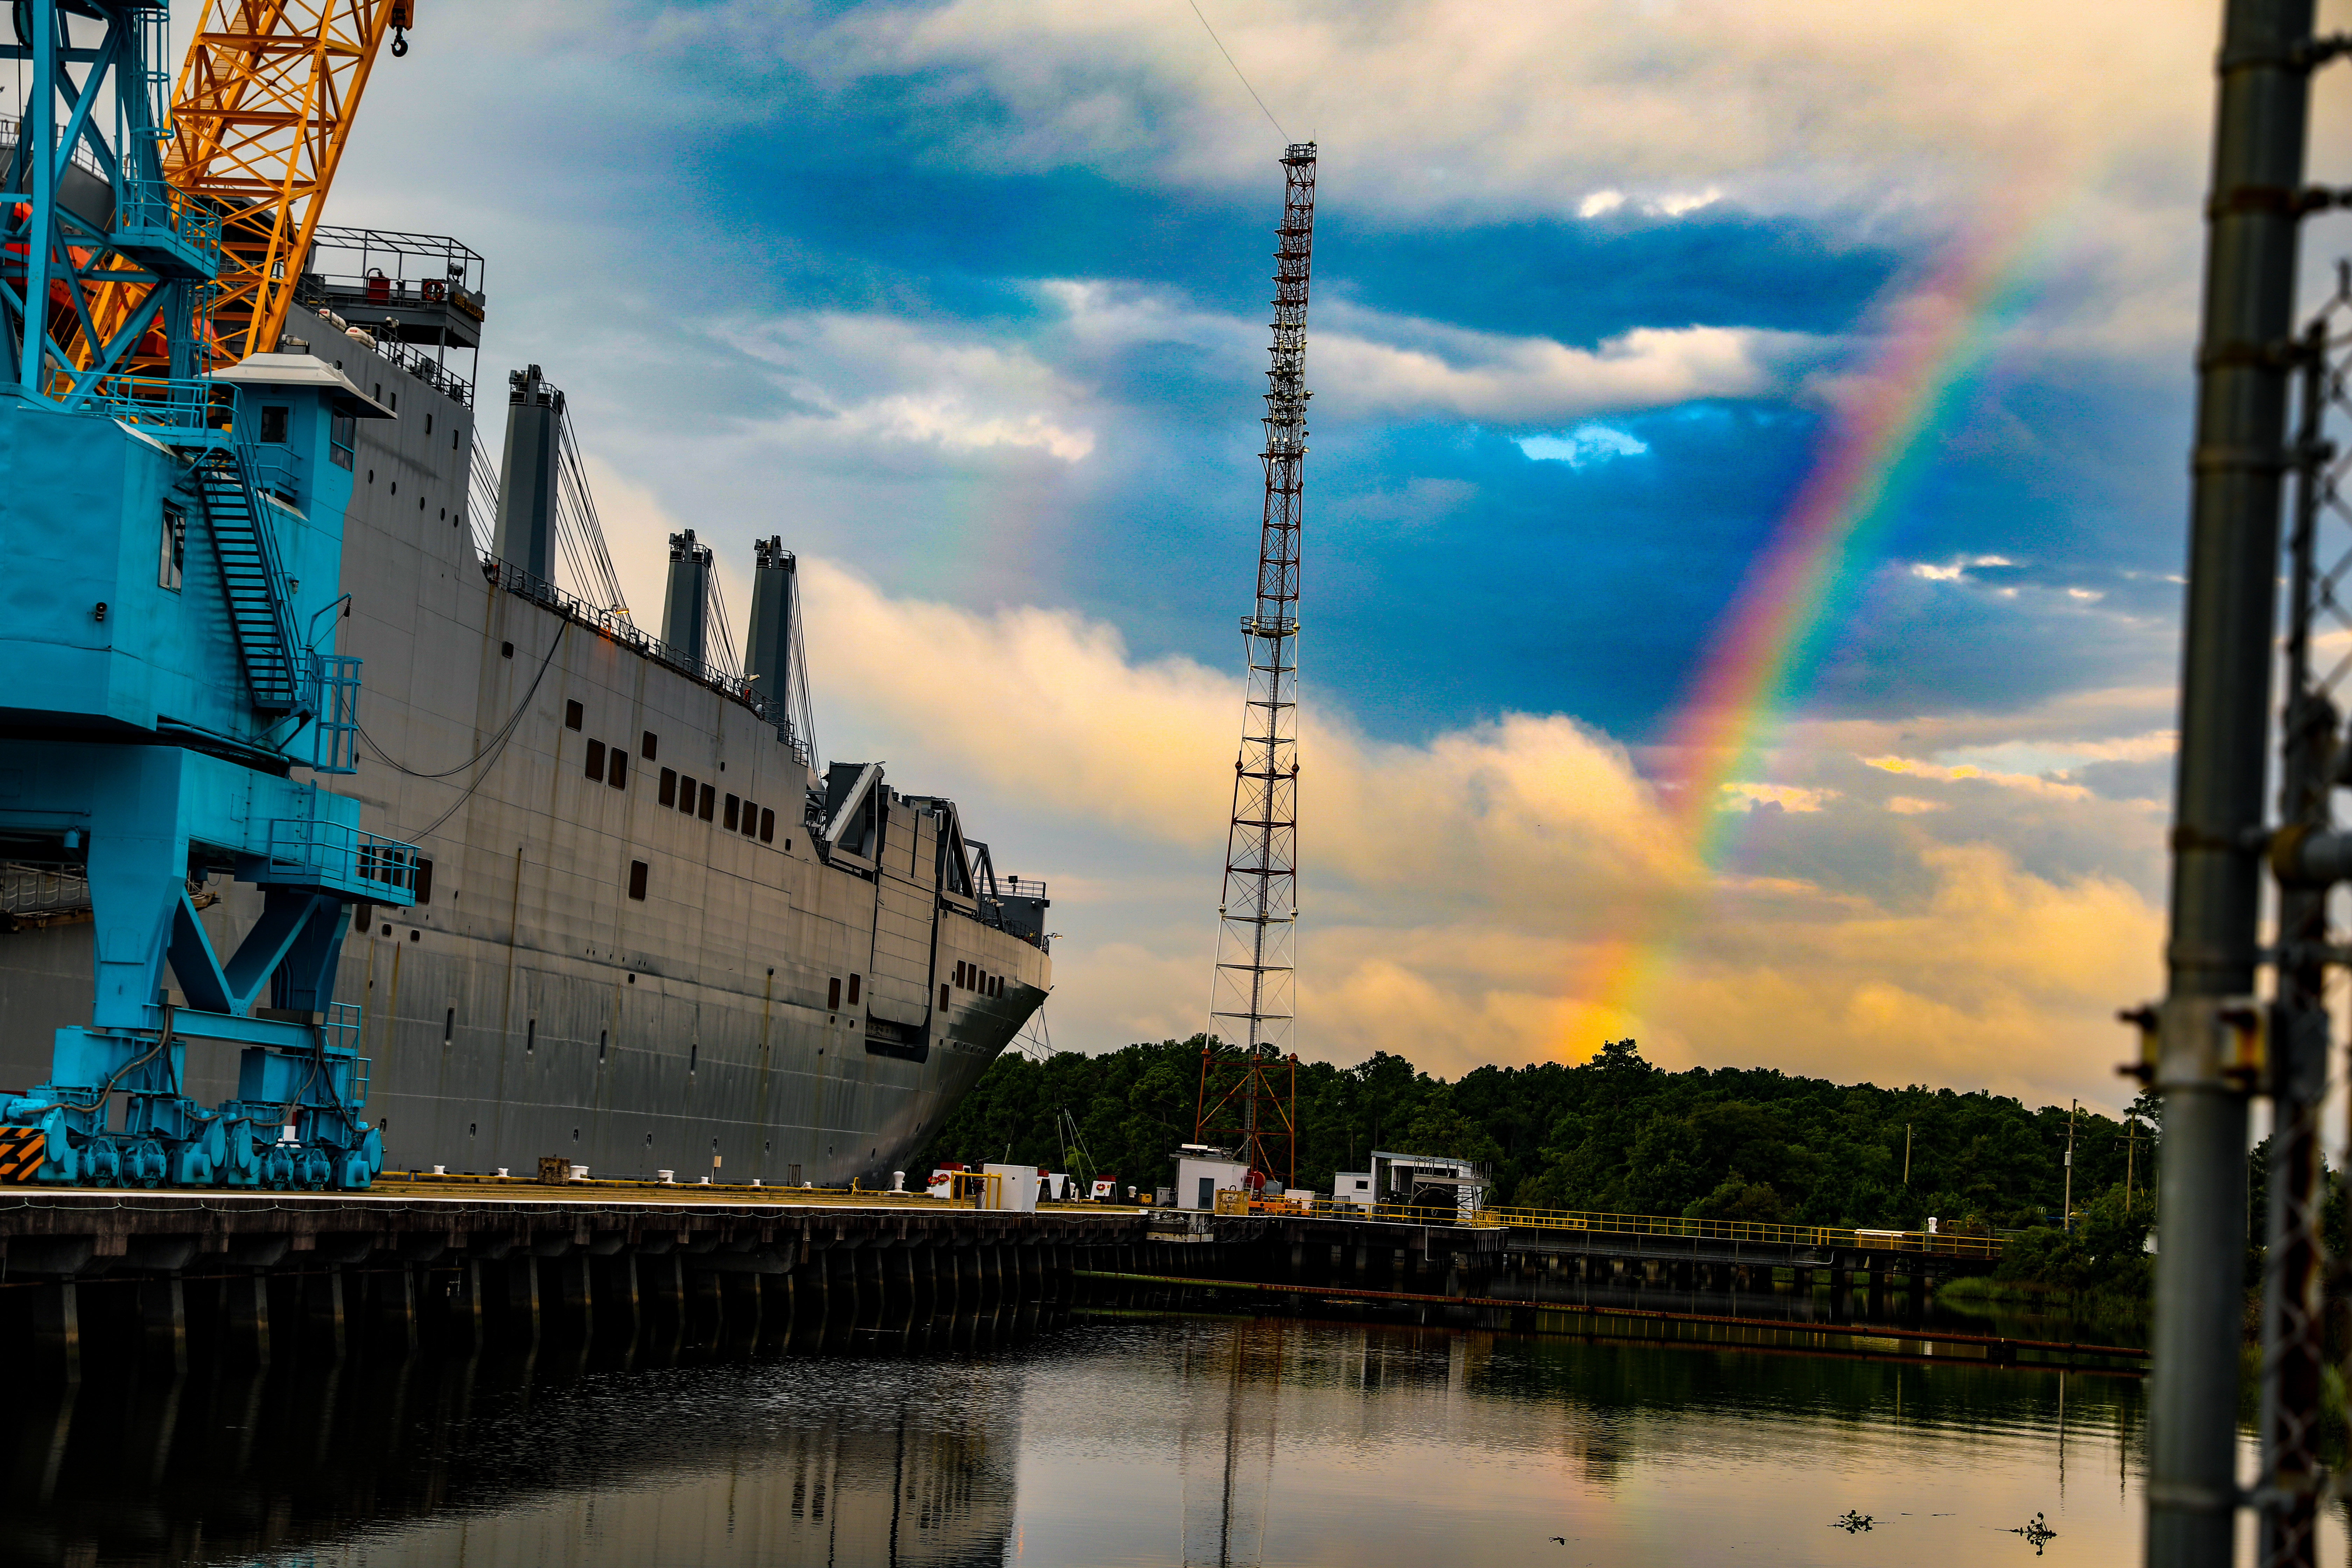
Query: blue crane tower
[171, 541]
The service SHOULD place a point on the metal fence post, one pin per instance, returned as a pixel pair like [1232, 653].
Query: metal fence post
[2201, 1065]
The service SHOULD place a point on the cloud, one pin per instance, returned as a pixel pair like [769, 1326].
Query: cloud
[1454, 889]
[1365, 362]
[1912, 767]
[2002, 978]
[1464, 102]
[1876, 122]
[866, 379]
[1538, 222]
[1785, 797]
[1601, 204]
[1587, 443]
[1960, 569]
[1369, 363]
[1683, 203]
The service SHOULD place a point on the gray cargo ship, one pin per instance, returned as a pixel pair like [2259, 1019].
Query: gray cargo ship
[651, 931]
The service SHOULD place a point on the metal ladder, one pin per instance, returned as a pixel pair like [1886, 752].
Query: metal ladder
[258, 615]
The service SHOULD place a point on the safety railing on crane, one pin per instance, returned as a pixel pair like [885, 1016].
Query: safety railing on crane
[192, 409]
[334, 855]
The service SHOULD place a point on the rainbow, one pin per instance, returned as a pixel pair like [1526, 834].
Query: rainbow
[1937, 335]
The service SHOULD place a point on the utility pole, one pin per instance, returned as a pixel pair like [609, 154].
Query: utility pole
[2130, 1138]
[2202, 1046]
[2066, 1210]
[1906, 1154]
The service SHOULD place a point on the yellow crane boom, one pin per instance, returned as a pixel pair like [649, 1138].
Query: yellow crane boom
[263, 111]
[265, 104]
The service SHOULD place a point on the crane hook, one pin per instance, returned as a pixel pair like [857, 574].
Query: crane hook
[399, 42]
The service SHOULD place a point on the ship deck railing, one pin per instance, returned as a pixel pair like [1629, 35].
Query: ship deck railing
[614, 623]
[12, 131]
[425, 368]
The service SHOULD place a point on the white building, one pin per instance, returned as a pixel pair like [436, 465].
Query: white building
[1352, 1187]
[1428, 1181]
[1200, 1177]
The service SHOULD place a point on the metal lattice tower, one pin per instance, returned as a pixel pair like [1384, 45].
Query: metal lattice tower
[1254, 995]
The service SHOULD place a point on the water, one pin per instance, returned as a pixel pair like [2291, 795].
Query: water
[1143, 1440]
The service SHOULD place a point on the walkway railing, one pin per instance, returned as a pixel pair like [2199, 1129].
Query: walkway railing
[1944, 1245]
[613, 624]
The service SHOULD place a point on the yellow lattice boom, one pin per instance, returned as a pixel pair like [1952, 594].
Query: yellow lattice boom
[264, 107]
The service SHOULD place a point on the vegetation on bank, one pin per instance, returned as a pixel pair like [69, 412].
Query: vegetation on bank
[2103, 1256]
[1617, 1135]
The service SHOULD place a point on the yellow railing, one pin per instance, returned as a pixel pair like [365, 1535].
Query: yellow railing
[982, 1189]
[1863, 1237]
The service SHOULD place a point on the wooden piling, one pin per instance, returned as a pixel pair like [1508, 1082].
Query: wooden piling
[163, 1321]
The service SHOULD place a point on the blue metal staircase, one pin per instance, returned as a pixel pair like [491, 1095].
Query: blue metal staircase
[258, 615]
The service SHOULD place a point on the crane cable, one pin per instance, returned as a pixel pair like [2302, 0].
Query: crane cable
[490, 752]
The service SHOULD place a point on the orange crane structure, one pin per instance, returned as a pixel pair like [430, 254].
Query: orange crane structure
[261, 114]
[263, 111]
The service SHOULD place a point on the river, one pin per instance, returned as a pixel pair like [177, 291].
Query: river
[1143, 1440]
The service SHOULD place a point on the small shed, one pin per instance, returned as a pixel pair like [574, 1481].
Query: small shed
[1200, 1178]
[1018, 1190]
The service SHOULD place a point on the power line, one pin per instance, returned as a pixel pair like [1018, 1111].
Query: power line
[1270, 120]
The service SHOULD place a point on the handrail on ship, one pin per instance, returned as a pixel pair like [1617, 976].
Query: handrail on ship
[616, 625]
[1858, 1238]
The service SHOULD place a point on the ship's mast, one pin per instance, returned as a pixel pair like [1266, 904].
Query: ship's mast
[1253, 993]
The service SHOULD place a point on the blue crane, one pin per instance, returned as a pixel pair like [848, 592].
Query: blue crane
[172, 539]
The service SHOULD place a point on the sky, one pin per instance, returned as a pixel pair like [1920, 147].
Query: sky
[968, 300]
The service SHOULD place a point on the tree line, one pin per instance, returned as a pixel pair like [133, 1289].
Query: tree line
[1615, 1133]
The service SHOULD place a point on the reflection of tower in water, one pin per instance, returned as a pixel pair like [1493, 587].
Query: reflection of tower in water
[1225, 1446]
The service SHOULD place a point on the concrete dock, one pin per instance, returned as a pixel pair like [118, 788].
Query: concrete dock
[469, 1263]
[95, 1271]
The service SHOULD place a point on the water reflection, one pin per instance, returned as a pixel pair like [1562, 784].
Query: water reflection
[1133, 1439]
[426, 1461]
[1221, 1444]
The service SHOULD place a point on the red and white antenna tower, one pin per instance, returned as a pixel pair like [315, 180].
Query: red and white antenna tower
[1253, 993]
